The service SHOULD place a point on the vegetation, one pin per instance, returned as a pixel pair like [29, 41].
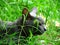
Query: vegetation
[10, 10]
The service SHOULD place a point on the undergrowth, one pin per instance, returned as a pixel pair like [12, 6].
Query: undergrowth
[10, 10]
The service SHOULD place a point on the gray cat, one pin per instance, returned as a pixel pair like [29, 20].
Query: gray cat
[27, 23]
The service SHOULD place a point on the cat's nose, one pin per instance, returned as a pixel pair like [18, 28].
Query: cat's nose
[44, 29]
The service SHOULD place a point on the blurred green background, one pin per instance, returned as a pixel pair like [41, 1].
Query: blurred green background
[10, 10]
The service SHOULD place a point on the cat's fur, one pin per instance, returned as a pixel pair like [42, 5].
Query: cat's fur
[24, 25]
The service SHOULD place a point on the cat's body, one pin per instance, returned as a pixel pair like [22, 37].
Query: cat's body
[23, 26]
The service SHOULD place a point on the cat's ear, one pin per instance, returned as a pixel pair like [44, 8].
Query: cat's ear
[25, 11]
[34, 9]
[33, 12]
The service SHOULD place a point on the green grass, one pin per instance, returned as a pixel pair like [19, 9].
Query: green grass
[10, 10]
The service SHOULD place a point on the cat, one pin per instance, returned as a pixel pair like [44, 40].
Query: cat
[27, 23]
